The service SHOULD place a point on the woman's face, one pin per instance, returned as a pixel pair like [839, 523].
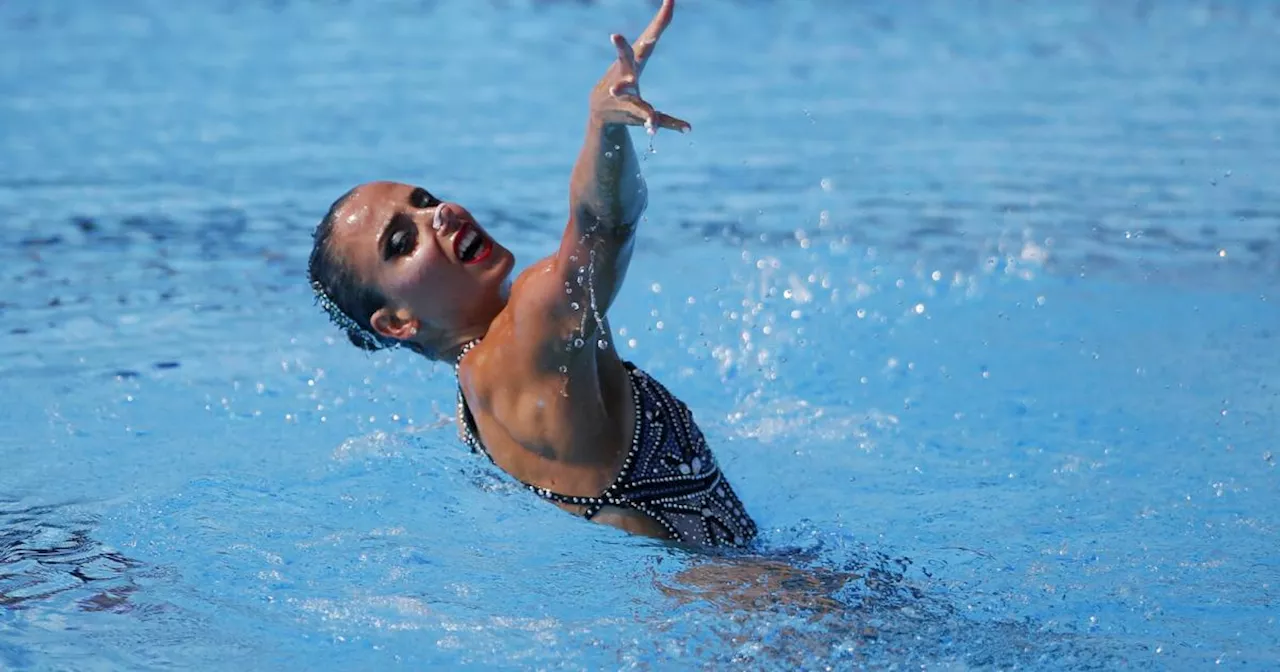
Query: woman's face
[434, 264]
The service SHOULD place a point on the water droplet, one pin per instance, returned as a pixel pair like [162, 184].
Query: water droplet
[564, 369]
[577, 342]
[608, 155]
[602, 344]
[575, 306]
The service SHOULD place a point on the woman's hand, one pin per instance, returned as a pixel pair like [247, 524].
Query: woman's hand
[616, 99]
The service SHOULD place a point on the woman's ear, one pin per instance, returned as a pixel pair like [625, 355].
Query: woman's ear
[399, 325]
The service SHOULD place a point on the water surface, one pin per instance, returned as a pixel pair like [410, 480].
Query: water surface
[975, 301]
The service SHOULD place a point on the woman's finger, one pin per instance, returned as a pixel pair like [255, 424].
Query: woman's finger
[624, 86]
[626, 57]
[649, 38]
[671, 123]
[640, 111]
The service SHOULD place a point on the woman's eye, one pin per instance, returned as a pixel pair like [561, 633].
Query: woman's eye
[401, 243]
[423, 199]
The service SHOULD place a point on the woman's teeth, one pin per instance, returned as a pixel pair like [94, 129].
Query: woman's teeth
[469, 246]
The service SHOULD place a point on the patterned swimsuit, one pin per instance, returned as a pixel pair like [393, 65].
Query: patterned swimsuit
[669, 474]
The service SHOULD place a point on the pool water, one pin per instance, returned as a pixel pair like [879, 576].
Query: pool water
[975, 302]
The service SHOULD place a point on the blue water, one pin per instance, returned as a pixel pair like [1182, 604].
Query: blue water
[974, 300]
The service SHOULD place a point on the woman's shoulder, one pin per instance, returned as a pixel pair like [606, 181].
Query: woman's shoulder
[540, 293]
[533, 322]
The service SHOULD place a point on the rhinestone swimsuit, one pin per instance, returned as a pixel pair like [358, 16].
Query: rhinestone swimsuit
[669, 474]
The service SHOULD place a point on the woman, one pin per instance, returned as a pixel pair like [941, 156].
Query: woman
[541, 389]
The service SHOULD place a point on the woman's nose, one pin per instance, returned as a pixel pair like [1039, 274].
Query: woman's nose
[445, 219]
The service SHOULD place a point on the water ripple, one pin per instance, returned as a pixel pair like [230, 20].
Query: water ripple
[48, 552]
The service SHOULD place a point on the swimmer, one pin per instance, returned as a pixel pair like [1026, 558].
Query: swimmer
[542, 391]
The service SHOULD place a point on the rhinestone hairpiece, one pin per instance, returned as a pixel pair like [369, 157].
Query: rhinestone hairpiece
[343, 321]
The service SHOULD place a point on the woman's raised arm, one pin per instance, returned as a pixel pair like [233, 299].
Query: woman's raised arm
[607, 192]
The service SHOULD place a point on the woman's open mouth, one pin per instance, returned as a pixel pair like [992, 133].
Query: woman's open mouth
[470, 246]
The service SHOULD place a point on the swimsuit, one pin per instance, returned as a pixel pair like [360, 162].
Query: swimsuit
[669, 473]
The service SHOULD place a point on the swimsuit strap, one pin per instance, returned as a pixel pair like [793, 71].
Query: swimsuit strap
[469, 434]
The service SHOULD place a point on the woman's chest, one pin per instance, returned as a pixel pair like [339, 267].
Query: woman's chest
[553, 431]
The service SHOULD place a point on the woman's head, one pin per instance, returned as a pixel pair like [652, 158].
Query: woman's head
[393, 265]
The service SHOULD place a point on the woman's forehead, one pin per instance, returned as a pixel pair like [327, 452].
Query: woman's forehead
[357, 223]
[373, 196]
[370, 206]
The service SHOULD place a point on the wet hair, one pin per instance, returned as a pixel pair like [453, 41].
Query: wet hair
[349, 302]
